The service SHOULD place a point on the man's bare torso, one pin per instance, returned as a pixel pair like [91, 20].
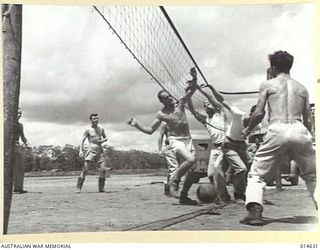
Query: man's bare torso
[94, 135]
[286, 98]
[176, 120]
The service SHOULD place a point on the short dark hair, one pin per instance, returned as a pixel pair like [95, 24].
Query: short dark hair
[161, 92]
[92, 115]
[281, 60]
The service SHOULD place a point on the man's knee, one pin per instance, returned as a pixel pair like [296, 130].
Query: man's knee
[241, 170]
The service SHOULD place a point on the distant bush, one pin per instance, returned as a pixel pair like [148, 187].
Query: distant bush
[49, 157]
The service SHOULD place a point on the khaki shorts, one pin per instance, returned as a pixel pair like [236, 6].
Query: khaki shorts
[176, 143]
[94, 155]
[282, 140]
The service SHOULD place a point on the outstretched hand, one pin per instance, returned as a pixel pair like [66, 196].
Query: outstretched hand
[193, 72]
[245, 133]
[132, 122]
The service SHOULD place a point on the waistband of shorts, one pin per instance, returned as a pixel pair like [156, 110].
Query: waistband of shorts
[285, 121]
[233, 141]
[179, 138]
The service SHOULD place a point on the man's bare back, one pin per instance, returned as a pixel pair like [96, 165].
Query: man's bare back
[287, 98]
[288, 103]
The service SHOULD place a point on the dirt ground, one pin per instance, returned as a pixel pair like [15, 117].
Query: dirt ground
[137, 202]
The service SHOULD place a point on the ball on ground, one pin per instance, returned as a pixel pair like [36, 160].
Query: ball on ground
[207, 192]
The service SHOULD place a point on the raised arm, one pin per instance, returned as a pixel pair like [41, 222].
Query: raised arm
[215, 99]
[216, 94]
[259, 113]
[147, 130]
[200, 117]
[191, 88]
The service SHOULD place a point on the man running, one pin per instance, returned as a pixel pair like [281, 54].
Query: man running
[94, 155]
[288, 134]
[173, 113]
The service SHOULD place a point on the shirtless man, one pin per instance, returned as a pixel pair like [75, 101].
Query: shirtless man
[173, 113]
[96, 136]
[19, 162]
[288, 134]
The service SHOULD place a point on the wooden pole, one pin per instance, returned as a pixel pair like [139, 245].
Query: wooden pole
[11, 41]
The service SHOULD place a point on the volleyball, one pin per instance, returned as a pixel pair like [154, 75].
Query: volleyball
[207, 193]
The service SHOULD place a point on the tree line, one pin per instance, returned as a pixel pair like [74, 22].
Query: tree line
[57, 158]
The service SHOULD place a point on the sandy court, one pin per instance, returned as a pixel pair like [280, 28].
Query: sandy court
[51, 206]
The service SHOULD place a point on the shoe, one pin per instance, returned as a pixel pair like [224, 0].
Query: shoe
[220, 202]
[239, 196]
[174, 188]
[187, 201]
[78, 191]
[254, 217]
[20, 191]
[240, 201]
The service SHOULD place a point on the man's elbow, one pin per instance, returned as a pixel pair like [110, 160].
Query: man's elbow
[149, 132]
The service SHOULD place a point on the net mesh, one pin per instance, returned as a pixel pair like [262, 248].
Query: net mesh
[150, 36]
[147, 34]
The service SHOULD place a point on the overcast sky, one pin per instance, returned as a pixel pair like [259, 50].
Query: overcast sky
[72, 65]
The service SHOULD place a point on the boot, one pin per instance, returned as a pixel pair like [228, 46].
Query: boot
[190, 178]
[79, 185]
[101, 184]
[185, 200]
[240, 198]
[254, 217]
[173, 186]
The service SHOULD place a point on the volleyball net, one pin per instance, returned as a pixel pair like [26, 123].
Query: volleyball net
[149, 34]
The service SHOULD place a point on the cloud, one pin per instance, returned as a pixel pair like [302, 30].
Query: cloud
[72, 72]
[72, 65]
[236, 39]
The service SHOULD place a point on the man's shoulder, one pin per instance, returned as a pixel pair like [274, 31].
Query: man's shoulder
[236, 111]
[268, 83]
[160, 113]
[299, 85]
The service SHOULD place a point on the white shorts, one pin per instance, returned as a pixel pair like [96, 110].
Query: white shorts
[171, 151]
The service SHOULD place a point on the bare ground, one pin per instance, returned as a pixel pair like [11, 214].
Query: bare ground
[136, 202]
